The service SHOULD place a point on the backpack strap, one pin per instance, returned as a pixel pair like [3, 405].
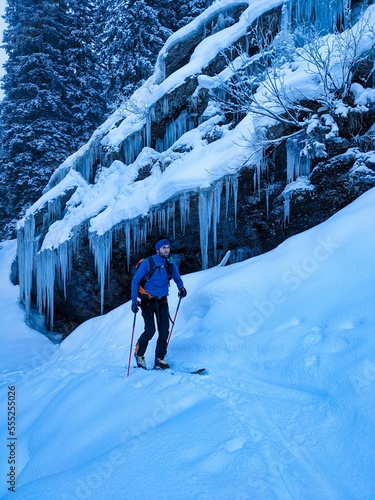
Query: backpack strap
[152, 266]
[169, 267]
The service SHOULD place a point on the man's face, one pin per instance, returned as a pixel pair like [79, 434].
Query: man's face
[164, 251]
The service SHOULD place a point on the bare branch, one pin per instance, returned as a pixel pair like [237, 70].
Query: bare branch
[260, 83]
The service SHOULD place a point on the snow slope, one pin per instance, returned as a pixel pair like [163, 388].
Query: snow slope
[285, 411]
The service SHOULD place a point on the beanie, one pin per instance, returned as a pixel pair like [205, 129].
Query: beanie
[161, 243]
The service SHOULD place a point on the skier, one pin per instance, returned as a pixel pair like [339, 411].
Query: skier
[151, 284]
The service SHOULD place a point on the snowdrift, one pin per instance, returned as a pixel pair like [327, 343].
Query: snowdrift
[285, 411]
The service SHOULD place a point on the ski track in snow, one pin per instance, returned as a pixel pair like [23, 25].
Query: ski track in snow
[266, 448]
[284, 412]
[274, 446]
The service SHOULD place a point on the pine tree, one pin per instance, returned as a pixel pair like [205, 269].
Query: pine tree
[84, 87]
[173, 14]
[34, 118]
[49, 99]
[68, 62]
[187, 11]
[133, 36]
[133, 33]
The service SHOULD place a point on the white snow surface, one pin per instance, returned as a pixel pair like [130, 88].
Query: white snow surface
[286, 410]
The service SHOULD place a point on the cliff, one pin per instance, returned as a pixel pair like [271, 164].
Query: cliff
[228, 146]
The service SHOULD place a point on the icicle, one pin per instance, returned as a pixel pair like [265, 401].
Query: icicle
[45, 282]
[225, 259]
[240, 255]
[149, 119]
[84, 164]
[204, 223]
[231, 183]
[26, 255]
[150, 221]
[131, 147]
[325, 16]
[267, 201]
[127, 243]
[184, 203]
[286, 209]
[235, 197]
[227, 195]
[175, 129]
[171, 218]
[193, 101]
[255, 179]
[168, 136]
[65, 264]
[101, 247]
[53, 210]
[160, 222]
[259, 165]
[269, 191]
[163, 224]
[217, 190]
[181, 124]
[209, 206]
[145, 232]
[285, 20]
[290, 160]
[165, 105]
[159, 145]
[209, 214]
[296, 164]
[136, 230]
[258, 177]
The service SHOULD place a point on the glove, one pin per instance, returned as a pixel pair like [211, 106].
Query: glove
[135, 306]
[182, 293]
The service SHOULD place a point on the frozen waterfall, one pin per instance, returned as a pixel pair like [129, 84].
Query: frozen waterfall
[126, 135]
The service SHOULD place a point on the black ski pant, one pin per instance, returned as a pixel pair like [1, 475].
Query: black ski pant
[154, 309]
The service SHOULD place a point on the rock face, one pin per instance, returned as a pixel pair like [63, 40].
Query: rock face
[253, 214]
[336, 183]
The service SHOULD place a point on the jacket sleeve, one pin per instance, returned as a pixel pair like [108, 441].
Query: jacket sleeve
[176, 277]
[141, 273]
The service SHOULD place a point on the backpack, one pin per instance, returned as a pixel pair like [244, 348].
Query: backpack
[168, 267]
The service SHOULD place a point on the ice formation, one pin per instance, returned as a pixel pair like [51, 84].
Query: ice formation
[106, 195]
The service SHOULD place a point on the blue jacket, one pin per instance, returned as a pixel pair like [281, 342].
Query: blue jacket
[158, 284]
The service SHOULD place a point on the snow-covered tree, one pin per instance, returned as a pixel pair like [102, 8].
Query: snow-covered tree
[187, 11]
[173, 14]
[34, 116]
[84, 87]
[132, 37]
[52, 97]
[263, 84]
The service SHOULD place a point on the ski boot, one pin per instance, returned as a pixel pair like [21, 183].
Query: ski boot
[141, 362]
[160, 364]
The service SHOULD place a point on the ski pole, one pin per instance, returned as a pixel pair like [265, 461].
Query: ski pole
[174, 321]
[131, 344]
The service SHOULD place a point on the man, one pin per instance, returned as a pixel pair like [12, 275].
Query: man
[151, 284]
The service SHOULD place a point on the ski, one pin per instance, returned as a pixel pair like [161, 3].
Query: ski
[200, 371]
[173, 371]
